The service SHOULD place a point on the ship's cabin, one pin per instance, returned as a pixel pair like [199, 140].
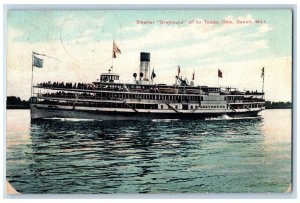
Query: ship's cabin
[109, 77]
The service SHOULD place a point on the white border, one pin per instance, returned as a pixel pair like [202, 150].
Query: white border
[47, 4]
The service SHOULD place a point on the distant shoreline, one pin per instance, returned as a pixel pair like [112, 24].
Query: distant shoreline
[278, 105]
[16, 107]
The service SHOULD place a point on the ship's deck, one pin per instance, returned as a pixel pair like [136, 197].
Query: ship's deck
[143, 88]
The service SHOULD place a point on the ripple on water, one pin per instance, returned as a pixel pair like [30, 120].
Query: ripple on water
[90, 156]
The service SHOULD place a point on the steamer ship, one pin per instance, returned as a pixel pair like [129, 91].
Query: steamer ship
[110, 99]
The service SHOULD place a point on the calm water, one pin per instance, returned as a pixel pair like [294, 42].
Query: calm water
[161, 156]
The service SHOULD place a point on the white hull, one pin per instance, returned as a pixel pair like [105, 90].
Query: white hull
[40, 111]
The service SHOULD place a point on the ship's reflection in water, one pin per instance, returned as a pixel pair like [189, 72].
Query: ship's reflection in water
[85, 156]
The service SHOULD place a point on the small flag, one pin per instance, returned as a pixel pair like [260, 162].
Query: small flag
[262, 72]
[37, 62]
[220, 74]
[193, 77]
[114, 55]
[153, 75]
[178, 70]
[115, 50]
[35, 53]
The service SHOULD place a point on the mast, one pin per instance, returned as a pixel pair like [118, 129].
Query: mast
[263, 84]
[113, 56]
[31, 78]
[263, 76]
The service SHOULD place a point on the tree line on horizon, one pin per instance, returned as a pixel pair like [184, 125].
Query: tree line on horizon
[278, 105]
[13, 102]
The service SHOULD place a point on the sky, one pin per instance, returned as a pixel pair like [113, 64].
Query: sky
[79, 43]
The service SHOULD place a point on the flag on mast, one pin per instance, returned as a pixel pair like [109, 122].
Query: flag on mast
[193, 77]
[37, 62]
[220, 74]
[153, 75]
[35, 53]
[178, 70]
[116, 50]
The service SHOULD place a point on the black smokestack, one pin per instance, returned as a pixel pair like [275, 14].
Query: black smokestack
[145, 56]
[145, 65]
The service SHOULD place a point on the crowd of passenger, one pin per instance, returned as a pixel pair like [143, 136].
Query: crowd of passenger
[89, 104]
[124, 88]
[241, 93]
[83, 95]
[253, 93]
[88, 86]
[68, 85]
[67, 94]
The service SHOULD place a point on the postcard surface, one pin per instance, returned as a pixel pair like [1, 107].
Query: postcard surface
[149, 101]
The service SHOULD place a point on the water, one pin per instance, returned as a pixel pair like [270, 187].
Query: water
[162, 156]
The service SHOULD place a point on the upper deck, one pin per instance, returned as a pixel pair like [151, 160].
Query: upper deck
[143, 88]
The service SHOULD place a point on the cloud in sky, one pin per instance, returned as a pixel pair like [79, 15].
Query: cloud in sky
[82, 40]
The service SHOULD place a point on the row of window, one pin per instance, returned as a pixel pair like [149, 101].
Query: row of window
[152, 97]
[232, 98]
[186, 107]
[212, 107]
[254, 105]
[243, 106]
[114, 96]
[213, 89]
[102, 105]
[105, 78]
